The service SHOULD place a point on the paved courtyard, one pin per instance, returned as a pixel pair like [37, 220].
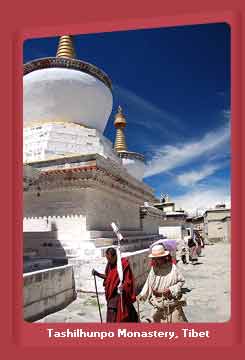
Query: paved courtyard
[207, 291]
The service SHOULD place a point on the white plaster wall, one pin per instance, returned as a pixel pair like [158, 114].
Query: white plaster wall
[63, 220]
[227, 230]
[66, 94]
[59, 243]
[64, 226]
[169, 208]
[84, 279]
[36, 224]
[219, 231]
[47, 291]
[215, 229]
[217, 215]
[172, 232]
[55, 216]
[49, 140]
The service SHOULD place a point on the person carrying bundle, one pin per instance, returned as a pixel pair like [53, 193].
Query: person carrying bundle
[162, 288]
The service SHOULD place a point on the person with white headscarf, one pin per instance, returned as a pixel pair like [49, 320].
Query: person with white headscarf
[162, 288]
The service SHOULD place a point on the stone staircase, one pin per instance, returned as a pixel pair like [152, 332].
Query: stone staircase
[132, 240]
[46, 244]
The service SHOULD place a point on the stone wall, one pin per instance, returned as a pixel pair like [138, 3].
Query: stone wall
[217, 225]
[59, 223]
[227, 230]
[218, 230]
[79, 198]
[139, 263]
[215, 231]
[152, 219]
[216, 214]
[44, 245]
[47, 291]
[110, 208]
[73, 212]
[172, 232]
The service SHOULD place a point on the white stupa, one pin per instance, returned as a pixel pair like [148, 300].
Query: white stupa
[67, 103]
[132, 161]
[83, 183]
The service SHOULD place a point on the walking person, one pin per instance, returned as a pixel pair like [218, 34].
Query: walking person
[119, 308]
[183, 255]
[199, 243]
[162, 288]
[192, 244]
[169, 245]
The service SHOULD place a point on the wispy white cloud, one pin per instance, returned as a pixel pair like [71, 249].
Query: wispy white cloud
[169, 157]
[202, 199]
[192, 177]
[153, 115]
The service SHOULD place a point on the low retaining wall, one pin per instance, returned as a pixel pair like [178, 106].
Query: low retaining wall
[47, 291]
[139, 263]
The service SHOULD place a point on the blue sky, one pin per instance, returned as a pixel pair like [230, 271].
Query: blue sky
[174, 87]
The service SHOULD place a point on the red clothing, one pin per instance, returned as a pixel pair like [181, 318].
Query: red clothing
[126, 312]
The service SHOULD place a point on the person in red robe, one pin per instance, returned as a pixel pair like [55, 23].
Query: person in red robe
[119, 308]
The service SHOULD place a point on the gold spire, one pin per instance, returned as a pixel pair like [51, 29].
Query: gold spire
[120, 123]
[66, 48]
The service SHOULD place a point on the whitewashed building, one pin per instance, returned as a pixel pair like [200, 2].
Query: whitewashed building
[174, 225]
[84, 183]
[217, 224]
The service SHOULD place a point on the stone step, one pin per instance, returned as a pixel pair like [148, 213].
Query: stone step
[127, 240]
[35, 264]
[40, 235]
[52, 235]
[110, 234]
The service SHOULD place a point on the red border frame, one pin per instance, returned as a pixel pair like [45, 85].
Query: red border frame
[23, 338]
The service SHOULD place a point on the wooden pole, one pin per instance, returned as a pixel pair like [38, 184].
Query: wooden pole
[97, 298]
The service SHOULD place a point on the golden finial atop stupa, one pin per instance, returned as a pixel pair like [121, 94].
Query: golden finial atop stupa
[120, 123]
[66, 47]
[120, 120]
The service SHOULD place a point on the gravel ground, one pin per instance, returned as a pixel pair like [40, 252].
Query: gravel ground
[207, 291]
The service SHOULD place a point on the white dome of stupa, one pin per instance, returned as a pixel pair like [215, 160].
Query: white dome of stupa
[67, 103]
[68, 95]
[66, 89]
